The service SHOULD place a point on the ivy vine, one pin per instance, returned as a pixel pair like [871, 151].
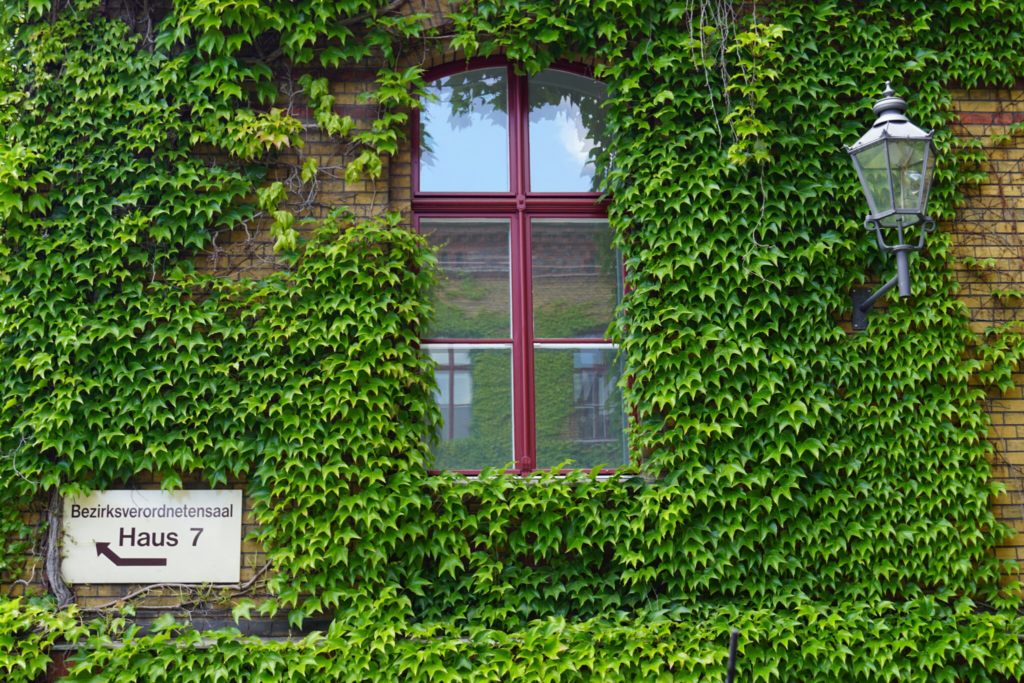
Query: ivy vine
[828, 494]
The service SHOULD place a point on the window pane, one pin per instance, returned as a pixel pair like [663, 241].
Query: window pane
[579, 408]
[464, 135]
[567, 131]
[577, 278]
[473, 301]
[474, 392]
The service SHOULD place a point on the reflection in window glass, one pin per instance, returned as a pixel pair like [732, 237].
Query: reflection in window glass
[464, 135]
[454, 393]
[567, 132]
[590, 394]
[474, 393]
[473, 301]
[579, 408]
[577, 278]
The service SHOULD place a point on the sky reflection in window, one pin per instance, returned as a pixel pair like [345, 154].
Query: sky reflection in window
[567, 132]
[464, 135]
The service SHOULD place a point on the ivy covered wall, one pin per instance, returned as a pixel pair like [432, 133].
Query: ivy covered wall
[827, 494]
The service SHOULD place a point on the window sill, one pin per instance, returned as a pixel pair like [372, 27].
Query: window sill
[544, 477]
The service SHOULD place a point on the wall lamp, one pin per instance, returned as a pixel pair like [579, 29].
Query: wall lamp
[894, 161]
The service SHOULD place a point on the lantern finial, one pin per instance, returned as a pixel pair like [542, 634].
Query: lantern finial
[889, 104]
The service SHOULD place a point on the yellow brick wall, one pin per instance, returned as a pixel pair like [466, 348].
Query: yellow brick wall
[248, 252]
[989, 229]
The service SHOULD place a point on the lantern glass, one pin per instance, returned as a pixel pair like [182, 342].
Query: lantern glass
[929, 171]
[872, 164]
[909, 177]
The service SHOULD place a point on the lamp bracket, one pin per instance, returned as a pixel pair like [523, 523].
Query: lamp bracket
[860, 316]
[864, 301]
[927, 224]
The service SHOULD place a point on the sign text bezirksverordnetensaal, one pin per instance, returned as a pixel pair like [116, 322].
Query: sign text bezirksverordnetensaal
[157, 512]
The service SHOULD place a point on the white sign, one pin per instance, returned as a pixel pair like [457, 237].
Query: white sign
[153, 537]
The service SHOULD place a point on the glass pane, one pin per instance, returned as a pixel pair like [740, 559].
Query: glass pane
[907, 157]
[577, 278]
[474, 393]
[874, 177]
[579, 408]
[473, 301]
[567, 132]
[928, 172]
[464, 135]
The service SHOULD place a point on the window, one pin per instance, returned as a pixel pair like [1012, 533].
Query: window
[504, 182]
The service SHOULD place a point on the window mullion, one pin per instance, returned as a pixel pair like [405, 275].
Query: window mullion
[516, 133]
[527, 313]
[522, 361]
[523, 386]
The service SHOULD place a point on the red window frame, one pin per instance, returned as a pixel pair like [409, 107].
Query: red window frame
[519, 206]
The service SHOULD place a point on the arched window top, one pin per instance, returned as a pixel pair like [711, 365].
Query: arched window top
[490, 131]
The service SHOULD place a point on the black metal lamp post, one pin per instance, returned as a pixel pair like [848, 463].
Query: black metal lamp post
[895, 161]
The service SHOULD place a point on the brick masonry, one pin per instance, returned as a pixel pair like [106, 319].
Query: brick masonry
[988, 237]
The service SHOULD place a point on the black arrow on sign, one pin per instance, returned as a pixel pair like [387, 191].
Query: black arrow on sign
[104, 549]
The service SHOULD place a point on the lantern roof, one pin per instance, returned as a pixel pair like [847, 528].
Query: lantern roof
[892, 122]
